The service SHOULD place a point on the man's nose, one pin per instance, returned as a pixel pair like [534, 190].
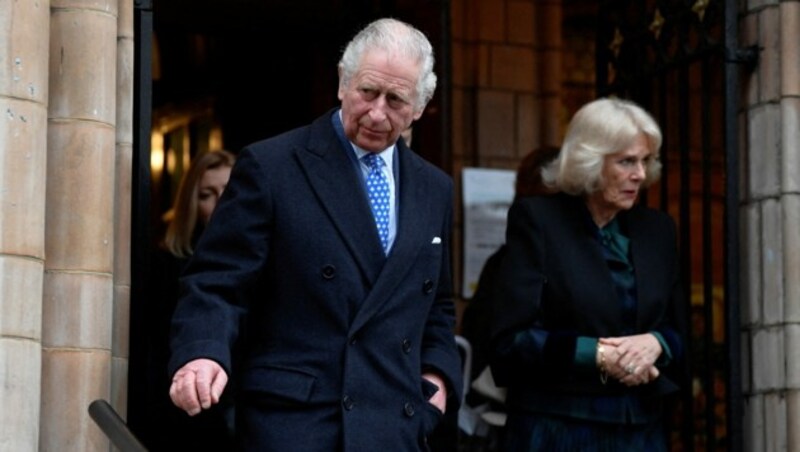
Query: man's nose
[378, 110]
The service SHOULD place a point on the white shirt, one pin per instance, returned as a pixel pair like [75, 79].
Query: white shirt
[388, 158]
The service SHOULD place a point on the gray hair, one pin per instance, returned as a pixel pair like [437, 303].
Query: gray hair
[393, 36]
[600, 128]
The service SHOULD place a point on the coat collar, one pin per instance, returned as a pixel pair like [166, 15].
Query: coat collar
[643, 253]
[333, 176]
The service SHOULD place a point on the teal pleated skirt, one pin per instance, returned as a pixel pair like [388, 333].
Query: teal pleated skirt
[531, 432]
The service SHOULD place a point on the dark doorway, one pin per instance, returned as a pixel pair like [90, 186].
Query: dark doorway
[225, 74]
[268, 66]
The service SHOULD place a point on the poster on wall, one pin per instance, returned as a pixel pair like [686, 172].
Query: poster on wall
[487, 195]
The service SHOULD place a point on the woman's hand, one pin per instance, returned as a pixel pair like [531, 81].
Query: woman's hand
[631, 359]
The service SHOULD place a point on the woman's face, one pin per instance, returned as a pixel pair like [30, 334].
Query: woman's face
[211, 186]
[621, 178]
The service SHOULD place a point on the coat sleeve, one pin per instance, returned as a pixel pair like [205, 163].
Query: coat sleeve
[517, 299]
[227, 260]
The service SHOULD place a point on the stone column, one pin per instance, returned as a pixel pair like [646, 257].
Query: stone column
[79, 241]
[122, 206]
[788, 58]
[23, 159]
[771, 228]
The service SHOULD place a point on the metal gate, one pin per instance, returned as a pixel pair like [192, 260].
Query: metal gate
[679, 60]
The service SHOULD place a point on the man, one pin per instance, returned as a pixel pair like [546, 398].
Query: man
[346, 318]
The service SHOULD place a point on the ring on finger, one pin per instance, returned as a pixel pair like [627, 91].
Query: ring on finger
[630, 369]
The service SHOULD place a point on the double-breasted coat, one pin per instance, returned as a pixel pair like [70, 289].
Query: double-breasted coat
[333, 335]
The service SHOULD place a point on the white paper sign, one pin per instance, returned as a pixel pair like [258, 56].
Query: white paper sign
[487, 195]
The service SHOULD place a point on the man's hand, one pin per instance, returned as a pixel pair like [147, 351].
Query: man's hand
[439, 399]
[197, 385]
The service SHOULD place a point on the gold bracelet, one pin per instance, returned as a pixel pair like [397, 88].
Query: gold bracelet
[602, 363]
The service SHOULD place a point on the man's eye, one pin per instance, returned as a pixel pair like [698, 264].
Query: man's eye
[396, 102]
[369, 94]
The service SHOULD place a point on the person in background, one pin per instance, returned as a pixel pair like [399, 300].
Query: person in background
[475, 322]
[407, 134]
[329, 258]
[588, 326]
[197, 197]
[169, 427]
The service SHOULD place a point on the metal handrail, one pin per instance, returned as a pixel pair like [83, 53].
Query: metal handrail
[114, 427]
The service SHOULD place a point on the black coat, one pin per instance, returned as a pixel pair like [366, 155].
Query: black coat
[337, 334]
[554, 278]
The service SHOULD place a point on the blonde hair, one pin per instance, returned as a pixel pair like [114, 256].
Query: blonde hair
[600, 128]
[182, 217]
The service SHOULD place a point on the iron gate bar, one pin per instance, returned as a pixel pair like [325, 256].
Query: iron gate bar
[734, 406]
[708, 299]
[665, 66]
[684, 233]
[140, 206]
[665, 166]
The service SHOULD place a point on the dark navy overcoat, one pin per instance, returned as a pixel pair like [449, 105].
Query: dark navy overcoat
[331, 336]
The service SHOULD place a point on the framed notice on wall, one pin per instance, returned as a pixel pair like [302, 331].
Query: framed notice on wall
[487, 195]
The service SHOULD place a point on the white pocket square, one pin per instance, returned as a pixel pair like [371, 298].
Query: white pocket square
[436, 240]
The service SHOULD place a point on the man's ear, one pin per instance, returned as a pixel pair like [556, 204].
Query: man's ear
[340, 90]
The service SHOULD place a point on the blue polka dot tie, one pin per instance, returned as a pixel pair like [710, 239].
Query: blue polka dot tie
[378, 192]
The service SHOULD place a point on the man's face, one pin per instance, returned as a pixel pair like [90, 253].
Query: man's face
[378, 102]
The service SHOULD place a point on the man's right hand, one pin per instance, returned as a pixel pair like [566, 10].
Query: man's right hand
[197, 385]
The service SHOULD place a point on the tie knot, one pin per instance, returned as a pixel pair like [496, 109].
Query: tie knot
[374, 161]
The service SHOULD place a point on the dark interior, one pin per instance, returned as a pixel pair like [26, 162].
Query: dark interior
[260, 67]
[268, 66]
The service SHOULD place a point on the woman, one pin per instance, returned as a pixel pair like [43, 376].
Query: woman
[586, 331]
[475, 325]
[168, 427]
[198, 193]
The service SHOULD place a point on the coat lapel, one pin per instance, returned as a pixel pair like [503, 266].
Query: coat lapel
[642, 252]
[413, 217]
[332, 176]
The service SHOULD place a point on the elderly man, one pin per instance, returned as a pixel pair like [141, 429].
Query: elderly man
[328, 259]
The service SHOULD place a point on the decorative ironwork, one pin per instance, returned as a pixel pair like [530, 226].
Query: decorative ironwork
[657, 24]
[699, 8]
[669, 56]
[648, 37]
[616, 43]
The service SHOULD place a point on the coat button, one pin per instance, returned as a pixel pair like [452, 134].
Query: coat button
[427, 286]
[408, 409]
[347, 403]
[328, 271]
[406, 346]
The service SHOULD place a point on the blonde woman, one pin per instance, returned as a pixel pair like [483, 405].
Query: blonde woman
[169, 428]
[199, 191]
[588, 327]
